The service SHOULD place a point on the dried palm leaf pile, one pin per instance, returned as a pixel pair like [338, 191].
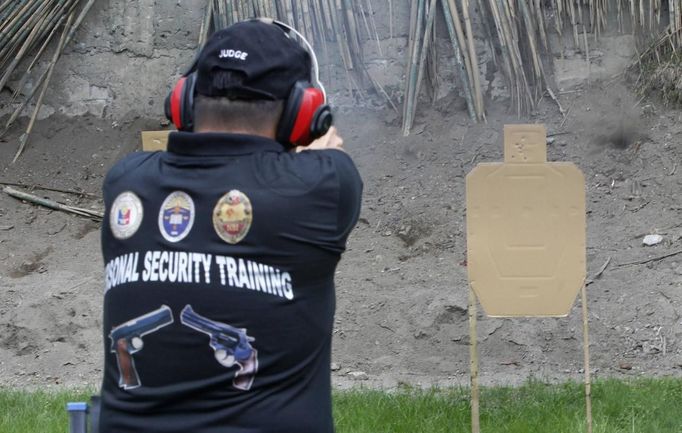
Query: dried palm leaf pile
[516, 33]
[26, 29]
[658, 68]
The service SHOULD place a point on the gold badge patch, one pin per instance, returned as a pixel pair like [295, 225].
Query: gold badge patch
[232, 216]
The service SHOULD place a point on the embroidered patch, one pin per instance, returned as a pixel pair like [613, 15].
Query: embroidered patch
[232, 216]
[125, 216]
[176, 216]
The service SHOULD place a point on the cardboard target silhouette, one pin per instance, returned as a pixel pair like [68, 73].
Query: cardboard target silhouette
[154, 140]
[526, 229]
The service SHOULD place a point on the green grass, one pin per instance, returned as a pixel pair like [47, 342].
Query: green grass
[36, 412]
[641, 406]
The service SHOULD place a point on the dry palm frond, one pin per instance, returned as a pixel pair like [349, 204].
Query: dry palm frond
[26, 29]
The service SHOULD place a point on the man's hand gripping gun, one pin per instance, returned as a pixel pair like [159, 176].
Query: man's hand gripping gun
[126, 340]
[230, 345]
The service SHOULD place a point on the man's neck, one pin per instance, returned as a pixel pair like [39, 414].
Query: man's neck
[266, 134]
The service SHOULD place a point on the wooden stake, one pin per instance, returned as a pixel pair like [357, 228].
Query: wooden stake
[461, 41]
[473, 363]
[478, 96]
[31, 198]
[352, 30]
[466, 87]
[47, 188]
[676, 27]
[531, 41]
[422, 58]
[390, 19]
[206, 23]
[410, 84]
[539, 13]
[574, 23]
[586, 355]
[307, 19]
[373, 23]
[587, 56]
[642, 18]
[558, 24]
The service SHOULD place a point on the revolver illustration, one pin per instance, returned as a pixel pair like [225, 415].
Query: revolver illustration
[230, 345]
[126, 340]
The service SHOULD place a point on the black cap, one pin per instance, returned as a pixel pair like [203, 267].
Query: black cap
[251, 60]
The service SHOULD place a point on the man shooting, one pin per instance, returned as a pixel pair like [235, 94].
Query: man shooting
[237, 232]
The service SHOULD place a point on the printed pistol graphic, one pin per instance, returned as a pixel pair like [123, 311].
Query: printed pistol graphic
[230, 345]
[126, 340]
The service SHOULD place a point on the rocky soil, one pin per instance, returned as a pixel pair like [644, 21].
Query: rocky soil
[402, 286]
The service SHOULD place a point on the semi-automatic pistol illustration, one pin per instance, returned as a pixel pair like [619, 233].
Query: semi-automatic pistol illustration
[230, 345]
[126, 340]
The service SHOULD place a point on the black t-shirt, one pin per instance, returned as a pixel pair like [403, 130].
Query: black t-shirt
[219, 271]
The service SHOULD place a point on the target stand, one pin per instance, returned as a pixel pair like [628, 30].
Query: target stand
[526, 241]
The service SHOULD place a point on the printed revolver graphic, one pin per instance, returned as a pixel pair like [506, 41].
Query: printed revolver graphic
[230, 345]
[126, 340]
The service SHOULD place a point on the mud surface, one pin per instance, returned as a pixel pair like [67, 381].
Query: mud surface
[402, 287]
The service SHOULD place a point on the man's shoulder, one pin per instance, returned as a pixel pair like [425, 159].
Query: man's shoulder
[308, 169]
[128, 165]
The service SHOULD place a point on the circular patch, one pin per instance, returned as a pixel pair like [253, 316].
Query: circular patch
[176, 216]
[232, 216]
[125, 216]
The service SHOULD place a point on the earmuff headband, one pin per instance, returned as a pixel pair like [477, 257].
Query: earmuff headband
[316, 67]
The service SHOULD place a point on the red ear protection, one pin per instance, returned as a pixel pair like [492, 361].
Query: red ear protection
[179, 104]
[305, 116]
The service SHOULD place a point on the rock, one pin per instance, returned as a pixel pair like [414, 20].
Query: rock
[335, 366]
[5, 228]
[625, 366]
[651, 240]
[391, 118]
[358, 375]
[420, 334]
[649, 110]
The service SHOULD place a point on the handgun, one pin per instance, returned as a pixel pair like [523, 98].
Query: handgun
[230, 346]
[126, 340]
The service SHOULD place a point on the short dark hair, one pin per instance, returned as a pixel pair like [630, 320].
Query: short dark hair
[236, 114]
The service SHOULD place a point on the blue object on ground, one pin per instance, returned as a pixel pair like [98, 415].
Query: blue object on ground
[78, 417]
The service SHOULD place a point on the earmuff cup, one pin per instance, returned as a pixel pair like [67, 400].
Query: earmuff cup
[322, 121]
[179, 104]
[305, 116]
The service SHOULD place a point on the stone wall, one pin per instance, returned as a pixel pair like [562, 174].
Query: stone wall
[123, 58]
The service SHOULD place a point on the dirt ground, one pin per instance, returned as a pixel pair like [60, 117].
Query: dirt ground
[402, 286]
